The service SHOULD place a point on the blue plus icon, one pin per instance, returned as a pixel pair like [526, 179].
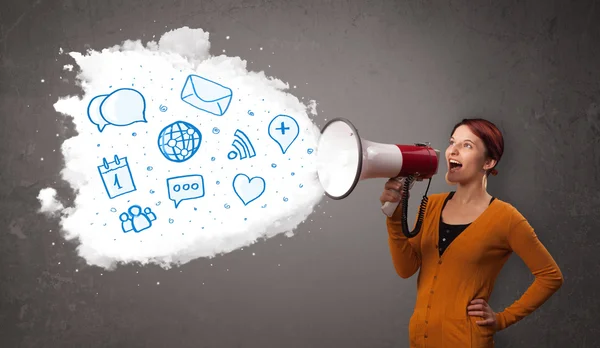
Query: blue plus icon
[284, 134]
[282, 128]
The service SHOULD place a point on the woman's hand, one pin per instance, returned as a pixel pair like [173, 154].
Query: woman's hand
[480, 308]
[392, 191]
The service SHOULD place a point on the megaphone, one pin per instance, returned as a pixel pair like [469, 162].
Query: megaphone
[344, 159]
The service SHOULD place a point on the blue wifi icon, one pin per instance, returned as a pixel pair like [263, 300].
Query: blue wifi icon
[243, 146]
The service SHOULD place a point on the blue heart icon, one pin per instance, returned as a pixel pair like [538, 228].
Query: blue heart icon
[248, 189]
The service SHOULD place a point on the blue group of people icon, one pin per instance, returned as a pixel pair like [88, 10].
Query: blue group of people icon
[134, 219]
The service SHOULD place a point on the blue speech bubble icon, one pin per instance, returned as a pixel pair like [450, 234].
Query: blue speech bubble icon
[120, 108]
[93, 112]
[284, 130]
[185, 187]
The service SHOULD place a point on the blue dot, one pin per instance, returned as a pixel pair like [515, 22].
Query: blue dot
[309, 151]
[171, 221]
[149, 168]
[273, 165]
[300, 186]
[113, 210]
[151, 191]
[293, 173]
[98, 145]
[212, 159]
[216, 130]
[285, 199]
[218, 182]
[157, 203]
[227, 206]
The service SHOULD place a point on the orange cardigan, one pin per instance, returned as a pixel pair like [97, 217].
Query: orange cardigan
[467, 270]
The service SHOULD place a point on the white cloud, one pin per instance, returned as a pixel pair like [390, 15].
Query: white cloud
[209, 223]
[49, 204]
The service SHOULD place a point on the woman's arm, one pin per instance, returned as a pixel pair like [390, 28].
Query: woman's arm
[548, 277]
[406, 253]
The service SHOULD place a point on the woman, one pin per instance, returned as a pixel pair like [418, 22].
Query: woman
[465, 239]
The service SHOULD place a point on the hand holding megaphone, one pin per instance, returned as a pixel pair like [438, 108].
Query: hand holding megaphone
[392, 194]
[344, 159]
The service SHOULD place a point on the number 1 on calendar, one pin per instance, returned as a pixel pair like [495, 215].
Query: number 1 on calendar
[116, 183]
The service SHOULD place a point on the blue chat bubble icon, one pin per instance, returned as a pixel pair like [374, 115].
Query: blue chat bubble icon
[185, 187]
[93, 112]
[120, 108]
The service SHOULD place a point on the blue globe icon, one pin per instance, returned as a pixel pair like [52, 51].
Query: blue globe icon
[179, 141]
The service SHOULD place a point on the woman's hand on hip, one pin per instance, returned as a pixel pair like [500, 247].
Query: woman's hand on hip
[479, 308]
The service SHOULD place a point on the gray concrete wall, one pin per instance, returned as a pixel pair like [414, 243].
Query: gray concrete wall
[531, 67]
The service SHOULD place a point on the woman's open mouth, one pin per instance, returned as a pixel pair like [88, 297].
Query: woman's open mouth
[454, 165]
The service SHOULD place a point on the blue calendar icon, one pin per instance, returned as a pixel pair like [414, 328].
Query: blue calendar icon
[116, 176]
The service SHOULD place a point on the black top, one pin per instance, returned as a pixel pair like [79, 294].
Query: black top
[448, 232]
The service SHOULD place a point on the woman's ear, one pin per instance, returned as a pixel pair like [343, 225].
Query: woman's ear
[489, 164]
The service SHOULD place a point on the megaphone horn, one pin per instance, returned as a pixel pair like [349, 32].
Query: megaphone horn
[344, 159]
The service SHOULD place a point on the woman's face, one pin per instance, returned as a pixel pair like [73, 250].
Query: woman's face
[466, 156]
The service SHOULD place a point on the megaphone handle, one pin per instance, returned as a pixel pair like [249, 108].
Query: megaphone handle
[389, 208]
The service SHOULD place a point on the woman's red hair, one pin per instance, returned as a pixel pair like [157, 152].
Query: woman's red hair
[490, 135]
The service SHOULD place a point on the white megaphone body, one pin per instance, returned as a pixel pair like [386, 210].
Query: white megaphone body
[344, 159]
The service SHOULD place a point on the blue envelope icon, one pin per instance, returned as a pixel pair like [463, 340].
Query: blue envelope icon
[206, 95]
